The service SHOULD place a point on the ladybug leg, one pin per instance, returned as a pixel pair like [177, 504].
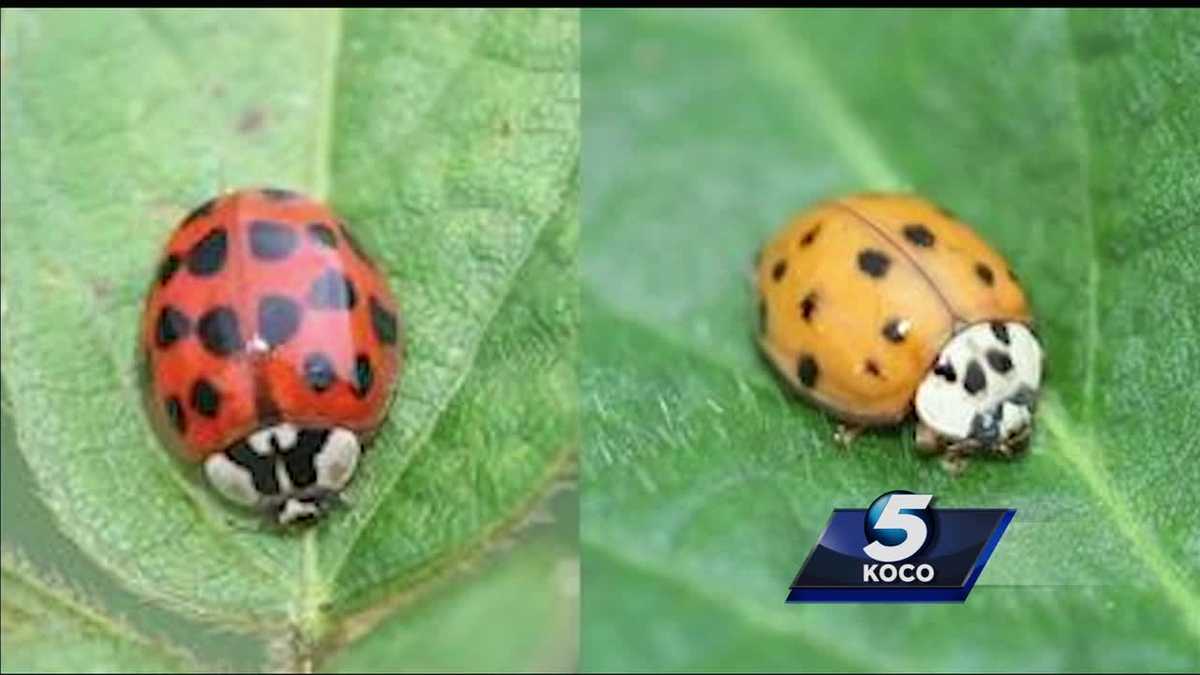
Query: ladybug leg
[1016, 443]
[955, 464]
[846, 434]
[927, 439]
[259, 525]
[958, 456]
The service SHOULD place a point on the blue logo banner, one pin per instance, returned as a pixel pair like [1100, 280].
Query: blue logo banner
[900, 549]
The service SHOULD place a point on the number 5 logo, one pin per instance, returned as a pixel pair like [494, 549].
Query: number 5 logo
[893, 518]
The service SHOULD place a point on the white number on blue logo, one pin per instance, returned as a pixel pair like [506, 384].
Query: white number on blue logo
[892, 518]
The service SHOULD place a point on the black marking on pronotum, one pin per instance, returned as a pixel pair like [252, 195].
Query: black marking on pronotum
[172, 325]
[807, 370]
[1000, 331]
[319, 371]
[363, 375]
[974, 381]
[985, 274]
[219, 331]
[300, 461]
[205, 398]
[808, 306]
[998, 360]
[271, 240]
[175, 414]
[1024, 397]
[946, 372]
[383, 321]
[278, 319]
[873, 263]
[198, 212]
[893, 331]
[322, 234]
[811, 236]
[919, 235]
[984, 428]
[779, 270]
[261, 468]
[332, 290]
[168, 268]
[207, 256]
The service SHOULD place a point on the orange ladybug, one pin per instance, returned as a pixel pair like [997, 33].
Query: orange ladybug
[875, 305]
[270, 344]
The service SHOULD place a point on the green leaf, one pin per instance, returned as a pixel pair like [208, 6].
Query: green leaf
[1072, 142]
[47, 627]
[449, 139]
[535, 588]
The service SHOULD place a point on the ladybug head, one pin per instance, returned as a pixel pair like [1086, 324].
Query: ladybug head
[982, 388]
[294, 473]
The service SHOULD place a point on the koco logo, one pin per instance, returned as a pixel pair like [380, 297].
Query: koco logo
[899, 549]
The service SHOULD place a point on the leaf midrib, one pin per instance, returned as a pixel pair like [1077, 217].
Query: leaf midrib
[315, 589]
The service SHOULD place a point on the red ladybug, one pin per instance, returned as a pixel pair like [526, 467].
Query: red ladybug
[271, 345]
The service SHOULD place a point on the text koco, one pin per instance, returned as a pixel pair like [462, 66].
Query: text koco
[888, 573]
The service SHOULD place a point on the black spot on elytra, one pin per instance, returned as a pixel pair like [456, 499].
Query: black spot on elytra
[278, 319]
[355, 245]
[332, 290]
[810, 236]
[946, 372]
[205, 398]
[300, 461]
[219, 331]
[172, 325]
[319, 372]
[207, 256]
[974, 381]
[198, 212]
[808, 305]
[1000, 331]
[322, 234]
[873, 263]
[873, 368]
[891, 331]
[779, 270]
[384, 323]
[998, 360]
[808, 371]
[985, 274]
[175, 413]
[261, 468]
[363, 376]
[278, 195]
[168, 268]
[271, 240]
[919, 235]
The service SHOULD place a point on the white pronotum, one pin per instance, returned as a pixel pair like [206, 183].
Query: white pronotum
[983, 385]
